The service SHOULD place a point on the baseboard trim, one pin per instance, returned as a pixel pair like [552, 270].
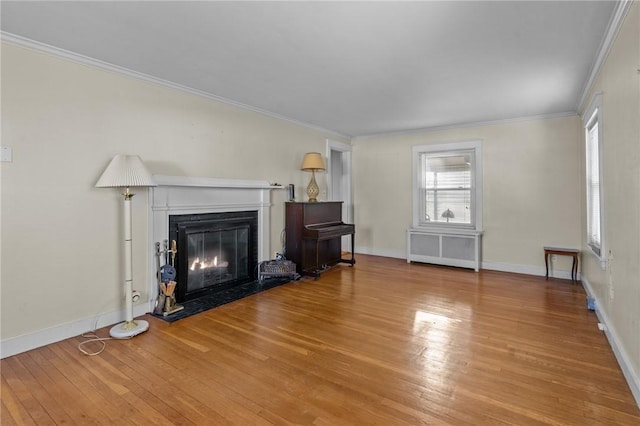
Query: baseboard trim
[493, 266]
[26, 342]
[624, 361]
[528, 270]
[384, 253]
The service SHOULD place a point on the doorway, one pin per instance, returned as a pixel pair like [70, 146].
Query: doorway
[339, 175]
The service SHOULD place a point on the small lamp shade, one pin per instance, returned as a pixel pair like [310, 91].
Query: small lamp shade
[448, 214]
[125, 171]
[312, 161]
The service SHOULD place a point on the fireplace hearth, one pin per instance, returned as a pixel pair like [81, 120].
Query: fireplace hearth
[213, 300]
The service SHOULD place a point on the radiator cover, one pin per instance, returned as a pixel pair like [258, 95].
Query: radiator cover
[459, 248]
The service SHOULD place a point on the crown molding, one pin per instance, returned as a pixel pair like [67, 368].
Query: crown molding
[105, 66]
[620, 12]
[465, 125]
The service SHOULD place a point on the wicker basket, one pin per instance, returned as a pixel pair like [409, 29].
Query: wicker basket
[276, 268]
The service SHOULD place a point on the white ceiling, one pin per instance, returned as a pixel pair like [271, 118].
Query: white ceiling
[355, 68]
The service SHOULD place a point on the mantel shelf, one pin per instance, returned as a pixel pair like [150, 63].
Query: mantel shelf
[206, 182]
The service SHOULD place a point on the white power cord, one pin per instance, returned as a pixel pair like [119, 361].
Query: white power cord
[92, 337]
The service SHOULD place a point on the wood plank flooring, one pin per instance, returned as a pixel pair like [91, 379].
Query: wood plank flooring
[385, 343]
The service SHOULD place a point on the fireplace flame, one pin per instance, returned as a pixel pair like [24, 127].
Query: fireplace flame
[194, 263]
[197, 263]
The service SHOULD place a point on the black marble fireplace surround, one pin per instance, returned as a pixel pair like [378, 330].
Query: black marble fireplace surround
[216, 252]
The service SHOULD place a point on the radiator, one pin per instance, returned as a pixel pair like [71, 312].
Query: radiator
[459, 248]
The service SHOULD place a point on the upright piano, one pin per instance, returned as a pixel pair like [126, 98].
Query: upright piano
[314, 236]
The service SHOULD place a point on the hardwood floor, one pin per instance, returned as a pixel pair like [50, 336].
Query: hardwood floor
[385, 342]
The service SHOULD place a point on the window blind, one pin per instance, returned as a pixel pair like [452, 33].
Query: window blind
[447, 188]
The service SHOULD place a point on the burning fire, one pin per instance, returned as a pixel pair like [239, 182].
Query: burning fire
[204, 264]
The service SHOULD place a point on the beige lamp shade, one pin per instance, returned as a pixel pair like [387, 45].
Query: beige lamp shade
[125, 171]
[312, 161]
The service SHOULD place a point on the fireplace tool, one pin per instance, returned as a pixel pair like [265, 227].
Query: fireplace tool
[159, 306]
[168, 288]
[168, 272]
[166, 301]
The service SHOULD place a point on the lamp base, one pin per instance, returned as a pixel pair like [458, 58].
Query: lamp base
[312, 188]
[128, 329]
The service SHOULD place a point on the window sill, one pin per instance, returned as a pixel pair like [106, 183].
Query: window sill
[598, 257]
[447, 229]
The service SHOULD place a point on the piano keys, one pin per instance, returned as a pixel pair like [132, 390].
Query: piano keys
[314, 236]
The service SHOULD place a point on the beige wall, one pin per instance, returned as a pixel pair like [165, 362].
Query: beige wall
[530, 193]
[61, 237]
[617, 287]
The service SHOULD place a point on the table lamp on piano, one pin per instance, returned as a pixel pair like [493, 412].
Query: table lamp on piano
[312, 162]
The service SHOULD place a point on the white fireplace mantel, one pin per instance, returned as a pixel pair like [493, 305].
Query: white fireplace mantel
[175, 195]
[206, 182]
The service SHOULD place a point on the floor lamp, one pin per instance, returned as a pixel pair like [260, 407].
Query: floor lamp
[126, 171]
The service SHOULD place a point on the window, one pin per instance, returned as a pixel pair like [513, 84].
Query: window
[592, 120]
[448, 185]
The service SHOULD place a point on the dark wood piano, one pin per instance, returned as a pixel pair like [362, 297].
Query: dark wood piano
[314, 236]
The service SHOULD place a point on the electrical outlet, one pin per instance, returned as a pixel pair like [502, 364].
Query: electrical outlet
[6, 154]
[553, 258]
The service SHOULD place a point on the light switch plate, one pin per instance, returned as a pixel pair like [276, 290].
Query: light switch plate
[6, 154]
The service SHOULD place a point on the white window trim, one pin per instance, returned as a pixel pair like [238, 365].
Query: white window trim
[476, 145]
[595, 110]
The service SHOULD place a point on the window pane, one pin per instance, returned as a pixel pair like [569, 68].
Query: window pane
[448, 187]
[593, 187]
[449, 206]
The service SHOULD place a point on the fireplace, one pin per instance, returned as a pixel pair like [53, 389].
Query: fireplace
[216, 251]
[178, 197]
